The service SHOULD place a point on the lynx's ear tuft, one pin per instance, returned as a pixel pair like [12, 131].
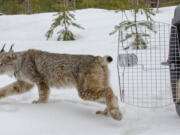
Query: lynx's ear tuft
[11, 48]
[2, 50]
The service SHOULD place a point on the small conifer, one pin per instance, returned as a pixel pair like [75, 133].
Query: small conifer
[136, 35]
[65, 19]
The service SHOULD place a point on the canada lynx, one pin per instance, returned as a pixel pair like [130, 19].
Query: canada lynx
[89, 74]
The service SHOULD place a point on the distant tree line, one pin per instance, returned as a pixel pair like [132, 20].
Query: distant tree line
[39, 6]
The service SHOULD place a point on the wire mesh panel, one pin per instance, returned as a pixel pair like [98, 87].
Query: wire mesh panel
[144, 73]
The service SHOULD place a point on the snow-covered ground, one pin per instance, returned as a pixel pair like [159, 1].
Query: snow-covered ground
[66, 113]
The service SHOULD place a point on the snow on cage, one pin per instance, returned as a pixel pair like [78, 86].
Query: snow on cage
[143, 65]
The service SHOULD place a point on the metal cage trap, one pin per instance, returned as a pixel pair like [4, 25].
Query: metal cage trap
[150, 77]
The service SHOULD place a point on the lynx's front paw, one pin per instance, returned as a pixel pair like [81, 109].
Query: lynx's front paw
[116, 114]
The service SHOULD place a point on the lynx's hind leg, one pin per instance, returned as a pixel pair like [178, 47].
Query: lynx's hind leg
[109, 99]
[17, 87]
[44, 91]
[95, 87]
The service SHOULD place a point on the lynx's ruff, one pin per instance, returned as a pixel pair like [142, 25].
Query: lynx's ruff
[89, 74]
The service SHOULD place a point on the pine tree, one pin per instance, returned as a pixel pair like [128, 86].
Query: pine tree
[138, 37]
[65, 19]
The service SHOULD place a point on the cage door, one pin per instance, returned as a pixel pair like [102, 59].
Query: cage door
[144, 74]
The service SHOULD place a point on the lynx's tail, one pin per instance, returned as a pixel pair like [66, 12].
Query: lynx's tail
[105, 60]
[109, 59]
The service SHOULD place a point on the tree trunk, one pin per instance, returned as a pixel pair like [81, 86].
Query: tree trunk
[28, 8]
[70, 3]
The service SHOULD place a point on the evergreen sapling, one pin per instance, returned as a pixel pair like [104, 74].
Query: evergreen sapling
[136, 35]
[64, 19]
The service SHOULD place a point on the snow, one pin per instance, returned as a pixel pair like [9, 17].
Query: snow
[66, 113]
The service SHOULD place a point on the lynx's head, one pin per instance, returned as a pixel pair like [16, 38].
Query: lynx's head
[7, 61]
